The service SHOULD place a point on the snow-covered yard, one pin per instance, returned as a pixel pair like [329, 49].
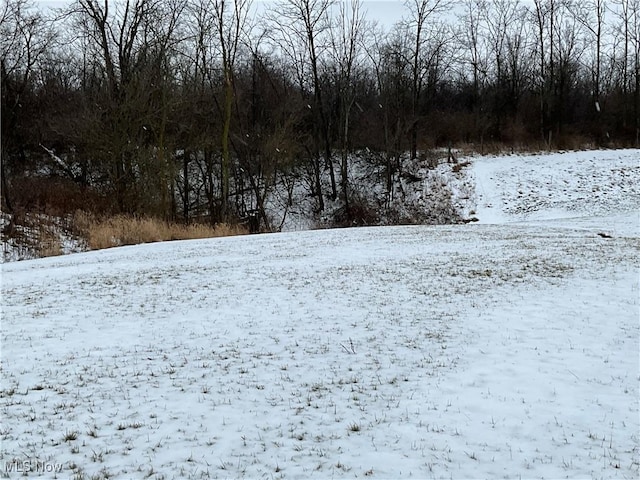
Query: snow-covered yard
[503, 349]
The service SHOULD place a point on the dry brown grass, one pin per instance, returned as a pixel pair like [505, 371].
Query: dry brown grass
[47, 240]
[186, 232]
[49, 243]
[129, 230]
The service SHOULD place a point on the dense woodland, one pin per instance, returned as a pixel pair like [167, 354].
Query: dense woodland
[194, 110]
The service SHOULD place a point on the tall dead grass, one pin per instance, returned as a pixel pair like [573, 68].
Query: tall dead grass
[49, 244]
[129, 230]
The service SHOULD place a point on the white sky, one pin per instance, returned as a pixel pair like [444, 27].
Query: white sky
[386, 12]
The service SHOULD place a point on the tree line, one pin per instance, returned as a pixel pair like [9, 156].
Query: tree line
[198, 109]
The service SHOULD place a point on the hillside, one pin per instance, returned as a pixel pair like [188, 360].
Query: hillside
[505, 348]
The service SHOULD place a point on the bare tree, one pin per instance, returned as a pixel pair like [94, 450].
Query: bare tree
[590, 15]
[346, 51]
[303, 24]
[230, 23]
[544, 14]
[26, 36]
[633, 30]
[622, 11]
[386, 55]
[474, 45]
[132, 42]
[423, 54]
[504, 23]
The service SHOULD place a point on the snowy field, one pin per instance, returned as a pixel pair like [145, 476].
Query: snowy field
[508, 348]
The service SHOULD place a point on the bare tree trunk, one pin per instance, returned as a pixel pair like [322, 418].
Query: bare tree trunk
[5, 184]
[185, 173]
[329, 165]
[317, 183]
[344, 166]
[224, 157]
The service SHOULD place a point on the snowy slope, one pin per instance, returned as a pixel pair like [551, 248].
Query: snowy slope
[468, 351]
[585, 189]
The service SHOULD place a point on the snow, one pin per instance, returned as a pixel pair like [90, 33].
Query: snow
[502, 349]
[424, 191]
[577, 185]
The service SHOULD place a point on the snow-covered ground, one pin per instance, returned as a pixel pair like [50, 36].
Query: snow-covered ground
[503, 349]
[583, 189]
[425, 191]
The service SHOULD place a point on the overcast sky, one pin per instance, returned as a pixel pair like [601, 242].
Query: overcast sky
[387, 12]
